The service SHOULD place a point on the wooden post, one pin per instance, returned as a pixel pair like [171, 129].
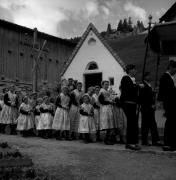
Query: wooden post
[34, 83]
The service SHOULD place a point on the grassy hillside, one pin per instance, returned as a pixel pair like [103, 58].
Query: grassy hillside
[132, 50]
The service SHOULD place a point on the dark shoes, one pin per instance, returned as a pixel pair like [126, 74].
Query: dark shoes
[107, 142]
[59, 138]
[158, 143]
[68, 138]
[134, 147]
[45, 137]
[146, 144]
[169, 148]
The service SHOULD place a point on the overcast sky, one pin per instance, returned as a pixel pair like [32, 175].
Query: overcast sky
[69, 18]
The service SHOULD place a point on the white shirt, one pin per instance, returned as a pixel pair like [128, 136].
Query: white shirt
[133, 79]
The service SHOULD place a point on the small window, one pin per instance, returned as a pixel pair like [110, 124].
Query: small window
[92, 66]
[21, 53]
[111, 81]
[91, 41]
[10, 51]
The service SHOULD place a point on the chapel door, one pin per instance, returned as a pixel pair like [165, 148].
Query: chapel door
[93, 79]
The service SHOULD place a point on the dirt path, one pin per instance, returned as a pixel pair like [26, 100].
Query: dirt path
[76, 160]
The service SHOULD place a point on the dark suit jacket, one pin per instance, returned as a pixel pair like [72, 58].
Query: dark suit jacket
[167, 92]
[146, 96]
[129, 90]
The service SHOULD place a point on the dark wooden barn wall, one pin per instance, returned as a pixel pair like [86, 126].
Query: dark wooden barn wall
[16, 59]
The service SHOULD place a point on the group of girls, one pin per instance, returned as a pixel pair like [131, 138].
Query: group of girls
[72, 115]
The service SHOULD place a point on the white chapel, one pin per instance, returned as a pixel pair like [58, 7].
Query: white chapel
[93, 60]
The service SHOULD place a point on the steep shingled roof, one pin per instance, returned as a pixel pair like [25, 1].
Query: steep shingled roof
[17, 27]
[84, 36]
[170, 13]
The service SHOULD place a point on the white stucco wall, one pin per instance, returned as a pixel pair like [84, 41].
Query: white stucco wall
[101, 55]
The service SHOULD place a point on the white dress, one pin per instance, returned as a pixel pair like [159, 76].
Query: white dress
[96, 111]
[9, 114]
[38, 116]
[74, 111]
[61, 119]
[86, 122]
[119, 117]
[1, 106]
[106, 112]
[46, 119]
[25, 121]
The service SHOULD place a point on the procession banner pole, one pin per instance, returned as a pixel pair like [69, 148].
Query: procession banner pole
[145, 60]
[147, 46]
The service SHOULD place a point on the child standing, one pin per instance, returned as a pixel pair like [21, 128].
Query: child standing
[106, 112]
[86, 122]
[46, 119]
[25, 121]
[61, 121]
[1, 107]
[96, 106]
[37, 113]
[75, 96]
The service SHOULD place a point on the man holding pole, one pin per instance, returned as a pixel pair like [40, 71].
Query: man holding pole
[147, 103]
[129, 99]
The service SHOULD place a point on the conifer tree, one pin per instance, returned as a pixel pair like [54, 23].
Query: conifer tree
[130, 27]
[120, 25]
[109, 30]
[125, 25]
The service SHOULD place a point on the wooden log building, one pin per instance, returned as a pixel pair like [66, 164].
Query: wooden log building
[17, 57]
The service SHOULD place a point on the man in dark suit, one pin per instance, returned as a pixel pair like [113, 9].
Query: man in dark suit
[129, 98]
[167, 95]
[147, 102]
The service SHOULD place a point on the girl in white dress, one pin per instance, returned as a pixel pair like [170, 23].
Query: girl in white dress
[9, 112]
[25, 120]
[45, 121]
[1, 107]
[96, 106]
[86, 122]
[106, 112]
[1, 102]
[37, 113]
[119, 119]
[2, 122]
[75, 96]
[61, 123]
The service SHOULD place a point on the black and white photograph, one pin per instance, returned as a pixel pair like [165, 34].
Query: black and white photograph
[87, 89]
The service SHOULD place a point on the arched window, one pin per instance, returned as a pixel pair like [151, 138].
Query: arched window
[92, 66]
[91, 41]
